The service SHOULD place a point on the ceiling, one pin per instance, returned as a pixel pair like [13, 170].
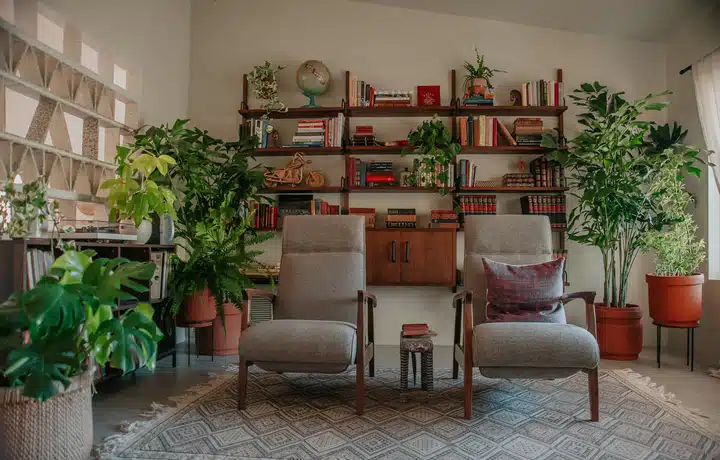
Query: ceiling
[647, 20]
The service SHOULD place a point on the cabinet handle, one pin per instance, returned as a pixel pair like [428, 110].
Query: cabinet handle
[407, 251]
[392, 256]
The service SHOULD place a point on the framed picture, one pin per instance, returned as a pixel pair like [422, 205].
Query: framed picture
[428, 95]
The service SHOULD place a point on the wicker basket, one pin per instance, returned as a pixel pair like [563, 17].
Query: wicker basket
[59, 428]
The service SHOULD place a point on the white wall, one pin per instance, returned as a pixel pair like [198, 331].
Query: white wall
[691, 41]
[399, 48]
[152, 35]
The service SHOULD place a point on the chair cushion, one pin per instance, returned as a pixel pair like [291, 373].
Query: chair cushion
[525, 292]
[531, 345]
[288, 345]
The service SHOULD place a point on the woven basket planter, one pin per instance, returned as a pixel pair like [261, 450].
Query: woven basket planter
[59, 428]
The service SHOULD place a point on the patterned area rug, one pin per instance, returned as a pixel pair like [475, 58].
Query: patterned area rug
[300, 416]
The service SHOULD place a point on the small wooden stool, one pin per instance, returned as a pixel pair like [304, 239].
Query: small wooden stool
[408, 347]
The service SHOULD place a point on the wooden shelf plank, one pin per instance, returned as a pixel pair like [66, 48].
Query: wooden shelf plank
[302, 189]
[503, 150]
[512, 110]
[412, 111]
[374, 150]
[395, 188]
[287, 151]
[500, 189]
[554, 230]
[295, 112]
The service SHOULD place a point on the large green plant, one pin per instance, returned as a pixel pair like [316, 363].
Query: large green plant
[611, 162]
[678, 250]
[142, 188]
[218, 252]
[433, 142]
[65, 325]
[479, 69]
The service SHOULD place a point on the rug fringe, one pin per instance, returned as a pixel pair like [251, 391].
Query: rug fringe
[158, 412]
[646, 385]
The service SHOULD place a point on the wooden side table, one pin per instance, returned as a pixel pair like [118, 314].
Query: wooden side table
[689, 351]
[408, 347]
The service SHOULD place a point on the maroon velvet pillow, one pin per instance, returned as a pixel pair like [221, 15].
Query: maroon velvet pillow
[525, 292]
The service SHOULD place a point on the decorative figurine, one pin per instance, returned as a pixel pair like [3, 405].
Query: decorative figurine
[292, 174]
[516, 97]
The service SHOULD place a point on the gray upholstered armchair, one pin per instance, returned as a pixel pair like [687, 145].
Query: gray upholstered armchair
[524, 350]
[318, 323]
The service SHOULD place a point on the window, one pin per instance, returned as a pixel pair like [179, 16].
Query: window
[89, 58]
[50, 33]
[120, 76]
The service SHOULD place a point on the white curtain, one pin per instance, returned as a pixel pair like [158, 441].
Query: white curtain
[706, 74]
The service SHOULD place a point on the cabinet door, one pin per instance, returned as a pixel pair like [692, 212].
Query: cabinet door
[428, 258]
[382, 258]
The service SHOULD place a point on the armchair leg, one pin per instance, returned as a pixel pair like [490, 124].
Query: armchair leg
[467, 390]
[371, 370]
[594, 395]
[242, 384]
[360, 389]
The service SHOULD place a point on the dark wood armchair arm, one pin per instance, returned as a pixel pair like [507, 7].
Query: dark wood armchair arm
[589, 298]
[248, 304]
[365, 295]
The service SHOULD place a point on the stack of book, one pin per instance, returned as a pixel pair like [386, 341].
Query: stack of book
[368, 213]
[417, 331]
[292, 205]
[528, 131]
[559, 254]
[364, 137]
[401, 218]
[483, 204]
[440, 218]
[483, 131]
[320, 207]
[553, 206]
[266, 217]
[479, 99]
[163, 269]
[319, 132]
[37, 264]
[362, 174]
[518, 180]
[362, 94]
[542, 92]
[466, 173]
[545, 175]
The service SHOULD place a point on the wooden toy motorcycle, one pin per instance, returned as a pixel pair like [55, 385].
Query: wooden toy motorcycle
[292, 174]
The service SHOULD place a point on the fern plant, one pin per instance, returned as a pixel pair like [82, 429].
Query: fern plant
[479, 70]
[65, 325]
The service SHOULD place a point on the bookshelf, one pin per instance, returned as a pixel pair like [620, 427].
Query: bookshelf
[452, 110]
[14, 278]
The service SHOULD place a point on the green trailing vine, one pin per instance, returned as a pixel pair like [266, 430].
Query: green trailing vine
[437, 149]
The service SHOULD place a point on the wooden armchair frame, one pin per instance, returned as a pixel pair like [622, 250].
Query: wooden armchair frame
[463, 346]
[365, 354]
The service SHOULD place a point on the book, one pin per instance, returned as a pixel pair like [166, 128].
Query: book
[401, 211]
[401, 224]
[156, 257]
[401, 218]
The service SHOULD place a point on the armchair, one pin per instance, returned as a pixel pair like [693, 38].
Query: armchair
[320, 322]
[517, 349]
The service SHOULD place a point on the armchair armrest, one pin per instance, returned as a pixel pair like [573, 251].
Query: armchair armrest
[248, 305]
[366, 296]
[589, 298]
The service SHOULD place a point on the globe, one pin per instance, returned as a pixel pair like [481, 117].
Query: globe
[313, 79]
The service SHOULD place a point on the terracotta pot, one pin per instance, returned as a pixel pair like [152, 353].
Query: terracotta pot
[59, 428]
[199, 310]
[225, 339]
[619, 331]
[478, 86]
[675, 300]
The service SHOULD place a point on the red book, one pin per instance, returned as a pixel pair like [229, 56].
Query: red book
[382, 178]
[495, 132]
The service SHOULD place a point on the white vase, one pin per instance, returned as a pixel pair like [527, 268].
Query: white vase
[144, 232]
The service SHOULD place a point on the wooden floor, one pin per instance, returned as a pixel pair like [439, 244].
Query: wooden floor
[127, 397]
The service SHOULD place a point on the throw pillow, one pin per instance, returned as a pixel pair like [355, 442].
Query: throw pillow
[524, 292]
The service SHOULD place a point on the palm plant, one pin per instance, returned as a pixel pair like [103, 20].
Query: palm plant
[65, 326]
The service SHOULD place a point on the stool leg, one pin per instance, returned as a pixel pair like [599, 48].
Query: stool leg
[403, 370]
[428, 370]
[414, 366]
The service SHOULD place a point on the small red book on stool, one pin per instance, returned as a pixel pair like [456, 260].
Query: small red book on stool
[417, 330]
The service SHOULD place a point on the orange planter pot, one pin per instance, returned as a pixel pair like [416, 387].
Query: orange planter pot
[218, 340]
[675, 300]
[198, 311]
[620, 332]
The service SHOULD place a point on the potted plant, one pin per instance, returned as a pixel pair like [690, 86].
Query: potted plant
[610, 164]
[675, 289]
[27, 208]
[210, 281]
[53, 337]
[478, 78]
[264, 83]
[437, 149]
[142, 189]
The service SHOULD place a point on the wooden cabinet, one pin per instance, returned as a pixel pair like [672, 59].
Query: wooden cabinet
[410, 257]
